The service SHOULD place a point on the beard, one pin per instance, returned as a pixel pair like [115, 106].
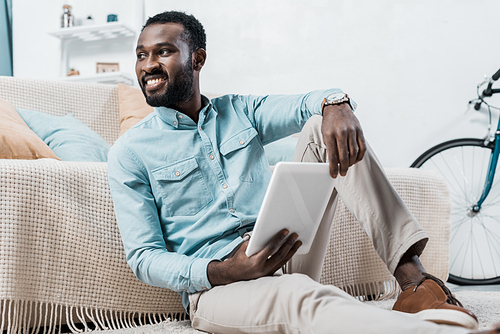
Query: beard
[177, 91]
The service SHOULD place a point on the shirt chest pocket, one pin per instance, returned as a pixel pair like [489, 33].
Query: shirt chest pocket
[244, 155]
[182, 187]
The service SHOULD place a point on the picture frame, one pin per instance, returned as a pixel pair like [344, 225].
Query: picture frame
[107, 67]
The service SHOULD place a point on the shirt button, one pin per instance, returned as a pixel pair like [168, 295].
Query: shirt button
[224, 186]
[211, 157]
[180, 116]
[242, 142]
[184, 290]
[199, 128]
[174, 122]
[177, 173]
[204, 287]
[232, 210]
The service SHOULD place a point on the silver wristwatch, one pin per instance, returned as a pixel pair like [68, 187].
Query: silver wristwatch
[338, 98]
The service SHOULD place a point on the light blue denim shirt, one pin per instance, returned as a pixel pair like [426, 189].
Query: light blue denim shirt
[185, 193]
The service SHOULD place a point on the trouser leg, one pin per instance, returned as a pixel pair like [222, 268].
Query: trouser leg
[370, 197]
[297, 304]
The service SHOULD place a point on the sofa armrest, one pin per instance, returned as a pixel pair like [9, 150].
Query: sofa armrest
[60, 246]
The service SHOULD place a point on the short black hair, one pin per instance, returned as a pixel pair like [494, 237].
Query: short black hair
[193, 29]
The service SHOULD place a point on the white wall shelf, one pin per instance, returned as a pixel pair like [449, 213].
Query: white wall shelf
[94, 32]
[105, 78]
[73, 37]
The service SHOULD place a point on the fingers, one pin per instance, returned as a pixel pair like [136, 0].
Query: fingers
[240, 267]
[343, 138]
[279, 251]
[353, 150]
[339, 148]
[333, 155]
[285, 248]
[362, 146]
[343, 149]
[284, 254]
[273, 245]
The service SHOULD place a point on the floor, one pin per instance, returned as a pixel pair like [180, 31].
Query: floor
[456, 288]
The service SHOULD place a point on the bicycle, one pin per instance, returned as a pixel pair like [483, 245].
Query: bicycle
[475, 198]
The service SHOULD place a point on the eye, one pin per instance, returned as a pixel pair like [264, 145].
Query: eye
[164, 52]
[141, 56]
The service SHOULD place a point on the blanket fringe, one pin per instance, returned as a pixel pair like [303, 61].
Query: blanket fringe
[29, 317]
[373, 290]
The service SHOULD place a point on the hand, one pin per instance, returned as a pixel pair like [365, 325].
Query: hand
[265, 263]
[343, 137]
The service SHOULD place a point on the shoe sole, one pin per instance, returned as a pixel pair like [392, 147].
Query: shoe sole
[446, 317]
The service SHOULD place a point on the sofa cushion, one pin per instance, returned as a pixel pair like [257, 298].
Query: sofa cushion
[69, 138]
[133, 107]
[17, 140]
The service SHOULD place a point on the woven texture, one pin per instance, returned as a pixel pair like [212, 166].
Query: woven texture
[61, 255]
[59, 242]
[96, 105]
[351, 262]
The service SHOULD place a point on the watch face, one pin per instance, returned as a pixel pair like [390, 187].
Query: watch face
[335, 96]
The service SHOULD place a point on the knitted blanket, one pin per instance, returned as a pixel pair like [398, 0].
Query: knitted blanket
[61, 256]
[62, 259]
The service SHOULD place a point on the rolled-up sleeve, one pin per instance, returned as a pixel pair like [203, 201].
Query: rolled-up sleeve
[278, 116]
[141, 232]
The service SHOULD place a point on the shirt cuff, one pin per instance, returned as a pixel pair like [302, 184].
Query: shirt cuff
[199, 275]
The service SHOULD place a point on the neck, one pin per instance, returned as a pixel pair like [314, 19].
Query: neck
[191, 108]
[193, 105]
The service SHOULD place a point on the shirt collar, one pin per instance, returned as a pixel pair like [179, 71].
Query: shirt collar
[174, 117]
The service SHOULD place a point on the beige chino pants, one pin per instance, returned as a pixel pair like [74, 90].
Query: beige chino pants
[296, 302]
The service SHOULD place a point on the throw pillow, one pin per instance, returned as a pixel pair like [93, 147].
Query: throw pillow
[133, 107]
[69, 138]
[17, 140]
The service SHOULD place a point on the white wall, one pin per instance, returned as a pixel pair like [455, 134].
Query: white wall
[411, 65]
[38, 54]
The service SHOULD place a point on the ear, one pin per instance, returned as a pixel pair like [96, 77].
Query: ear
[199, 57]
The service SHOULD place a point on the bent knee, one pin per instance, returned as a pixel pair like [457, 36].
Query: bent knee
[313, 124]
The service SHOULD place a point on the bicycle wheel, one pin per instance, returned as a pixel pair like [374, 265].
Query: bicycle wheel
[474, 237]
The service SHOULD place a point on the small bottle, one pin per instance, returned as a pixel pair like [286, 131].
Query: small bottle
[67, 20]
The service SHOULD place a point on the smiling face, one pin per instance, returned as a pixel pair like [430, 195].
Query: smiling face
[164, 65]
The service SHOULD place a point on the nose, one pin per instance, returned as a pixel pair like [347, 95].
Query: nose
[151, 64]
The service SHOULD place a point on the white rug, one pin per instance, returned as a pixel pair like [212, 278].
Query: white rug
[485, 304]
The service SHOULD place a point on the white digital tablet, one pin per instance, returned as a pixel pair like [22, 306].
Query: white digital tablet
[296, 199]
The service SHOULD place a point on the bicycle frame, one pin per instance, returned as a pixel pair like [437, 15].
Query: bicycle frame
[492, 166]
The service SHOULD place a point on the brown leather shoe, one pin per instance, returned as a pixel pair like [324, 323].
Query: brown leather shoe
[431, 300]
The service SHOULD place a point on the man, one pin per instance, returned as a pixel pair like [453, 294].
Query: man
[188, 181]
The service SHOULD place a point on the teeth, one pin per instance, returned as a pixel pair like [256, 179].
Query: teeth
[154, 81]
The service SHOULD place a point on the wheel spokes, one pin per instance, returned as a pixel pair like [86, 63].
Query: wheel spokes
[474, 236]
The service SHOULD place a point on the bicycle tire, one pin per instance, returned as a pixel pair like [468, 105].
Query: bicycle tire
[475, 251]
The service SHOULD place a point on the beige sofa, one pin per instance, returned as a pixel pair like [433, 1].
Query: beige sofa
[61, 256]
